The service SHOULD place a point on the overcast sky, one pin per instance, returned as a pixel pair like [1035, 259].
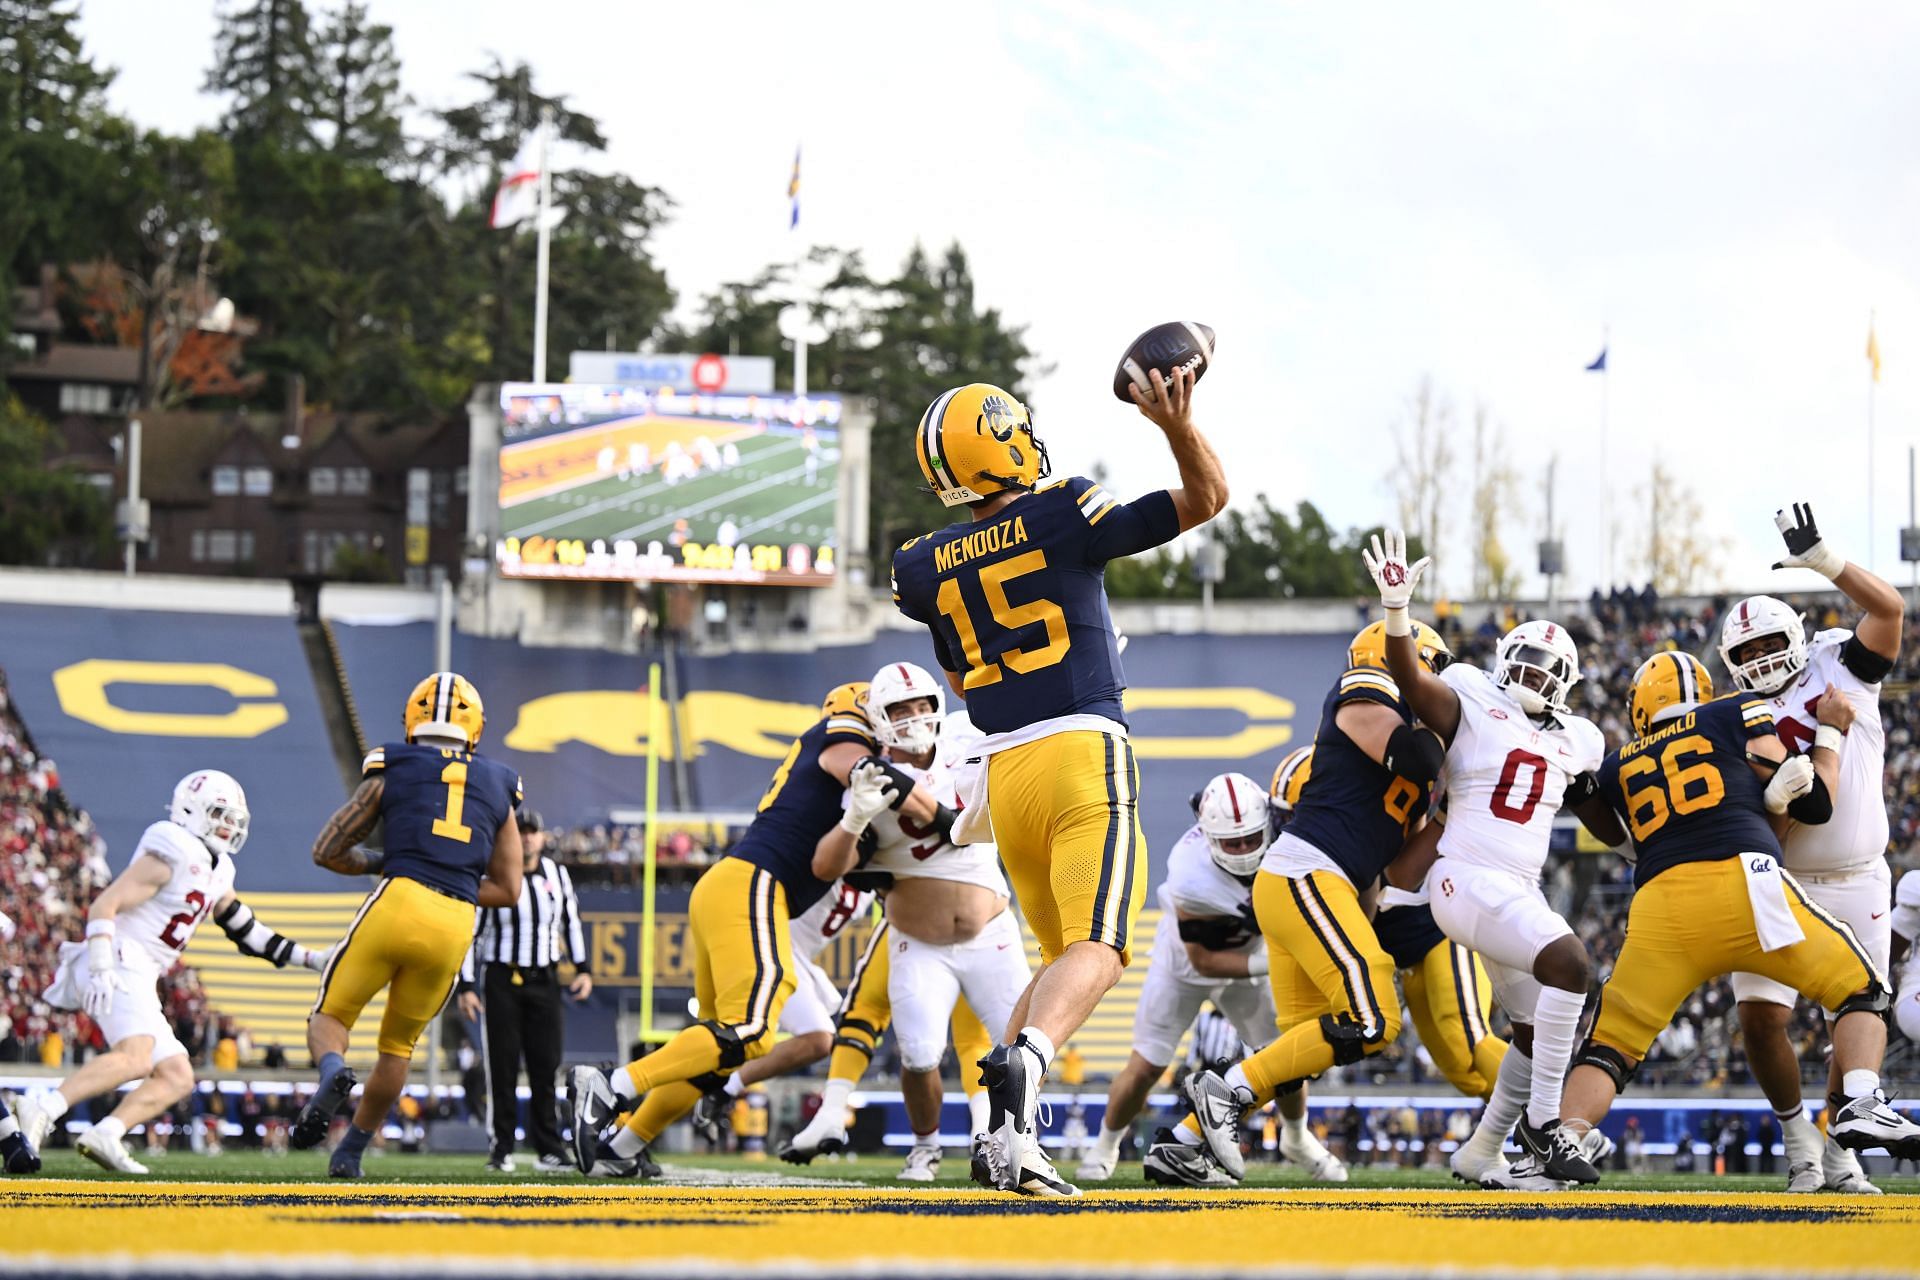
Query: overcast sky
[1354, 200]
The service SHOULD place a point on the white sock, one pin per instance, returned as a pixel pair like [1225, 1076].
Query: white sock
[833, 1101]
[1504, 1107]
[1237, 1078]
[1109, 1139]
[111, 1127]
[979, 1110]
[1294, 1127]
[1858, 1083]
[733, 1087]
[1042, 1047]
[623, 1086]
[927, 1140]
[1189, 1136]
[1556, 1024]
[1788, 1115]
[626, 1143]
[54, 1103]
[8, 1126]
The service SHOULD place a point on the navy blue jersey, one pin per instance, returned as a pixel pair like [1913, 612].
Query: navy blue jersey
[802, 804]
[1018, 602]
[442, 807]
[1407, 934]
[1686, 790]
[1353, 808]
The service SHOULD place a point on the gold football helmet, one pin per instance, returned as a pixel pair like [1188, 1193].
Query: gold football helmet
[446, 705]
[849, 699]
[1369, 648]
[976, 441]
[1290, 777]
[1665, 680]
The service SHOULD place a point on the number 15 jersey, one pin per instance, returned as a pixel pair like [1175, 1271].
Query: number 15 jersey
[442, 808]
[1017, 603]
[1507, 775]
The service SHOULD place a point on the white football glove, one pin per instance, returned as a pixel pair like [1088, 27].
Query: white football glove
[1391, 572]
[103, 976]
[314, 958]
[1806, 549]
[1793, 779]
[869, 791]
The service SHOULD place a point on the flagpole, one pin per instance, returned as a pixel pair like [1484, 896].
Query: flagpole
[545, 231]
[1872, 542]
[1606, 476]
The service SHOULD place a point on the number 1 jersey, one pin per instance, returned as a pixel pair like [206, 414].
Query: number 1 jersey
[1507, 774]
[442, 808]
[1017, 603]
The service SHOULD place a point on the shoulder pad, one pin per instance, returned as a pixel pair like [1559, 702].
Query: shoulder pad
[375, 761]
[1367, 680]
[1755, 712]
[1907, 892]
[169, 842]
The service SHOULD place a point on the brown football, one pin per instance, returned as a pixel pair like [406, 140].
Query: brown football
[1175, 345]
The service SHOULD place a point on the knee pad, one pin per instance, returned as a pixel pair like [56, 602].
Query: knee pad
[733, 1050]
[861, 1047]
[711, 1082]
[1609, 1060]
[1875, 999]
[1290, 1088]
[1348, 1039]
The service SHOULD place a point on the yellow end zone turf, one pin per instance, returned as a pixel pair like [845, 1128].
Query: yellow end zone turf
[224, 1229]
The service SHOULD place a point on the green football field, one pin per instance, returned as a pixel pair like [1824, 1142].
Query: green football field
[771, 498]
[870, 1170]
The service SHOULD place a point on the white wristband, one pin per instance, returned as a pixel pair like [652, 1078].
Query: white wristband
[855, 827]
[1830, 737]
[1399, 623]
[1257, 963]
[1826, 562]
[97, 927]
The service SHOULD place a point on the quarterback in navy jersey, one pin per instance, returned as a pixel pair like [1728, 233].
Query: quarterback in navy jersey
[1015, 601]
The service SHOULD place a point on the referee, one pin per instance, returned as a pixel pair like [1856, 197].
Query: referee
[521, 948]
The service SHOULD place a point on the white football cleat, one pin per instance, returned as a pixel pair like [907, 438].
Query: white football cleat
[923, 1164]
[1840, 1171]
[1098, 1164]
[1493, 1173]
[824, 1135]
[1310, 1154]
[1597, 1147]
[1867, 1122]
[108, 1152]
[34, 1119]
[1217, 1108]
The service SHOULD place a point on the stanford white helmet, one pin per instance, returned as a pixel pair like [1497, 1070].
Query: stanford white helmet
[1233, 817]
[899, 682]
[212, 806]
[1538, 664]
[1756, 618]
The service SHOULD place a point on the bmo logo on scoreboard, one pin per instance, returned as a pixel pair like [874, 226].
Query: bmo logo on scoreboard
[710, 373]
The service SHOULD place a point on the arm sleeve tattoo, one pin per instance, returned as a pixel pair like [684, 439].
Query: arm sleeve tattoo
[338, 846]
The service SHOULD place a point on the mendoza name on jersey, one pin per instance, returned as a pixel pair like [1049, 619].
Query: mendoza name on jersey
[996, 537]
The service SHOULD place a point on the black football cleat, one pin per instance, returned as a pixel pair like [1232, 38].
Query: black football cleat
[1557, 1152]
[310, 1127]
[17, 1154]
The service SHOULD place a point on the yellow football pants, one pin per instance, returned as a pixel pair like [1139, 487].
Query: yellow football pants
[1693, 922]
[1332, 981]
[409, 939]
[867, 1010]
[1451, 1002]
[742, 975]
[1066, 816]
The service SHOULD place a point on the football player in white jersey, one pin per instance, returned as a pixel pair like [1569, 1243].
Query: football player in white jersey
[1514, 755]
[1208, 948]
[1906, 947]
[1842, 864]
[951, 929]
[180, 873]
[17, 1154]
[806, 1019]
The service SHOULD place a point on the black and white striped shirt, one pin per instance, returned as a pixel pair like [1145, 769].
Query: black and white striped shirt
[541, 929]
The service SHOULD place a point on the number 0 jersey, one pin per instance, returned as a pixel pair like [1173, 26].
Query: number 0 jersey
[152, 935]
[801, 804]
[1354, 810]
[1857, 833]
[1507, 774]
[442, 807]
[1018, 602]
[1686, 790]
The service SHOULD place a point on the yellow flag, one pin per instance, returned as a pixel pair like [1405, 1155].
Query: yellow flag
[1873, 351]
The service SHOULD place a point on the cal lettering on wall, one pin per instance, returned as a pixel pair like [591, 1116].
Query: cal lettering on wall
[83, 689]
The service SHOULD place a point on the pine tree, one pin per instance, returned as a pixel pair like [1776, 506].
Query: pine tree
[266, 57]
[47, 82]
[360, 94]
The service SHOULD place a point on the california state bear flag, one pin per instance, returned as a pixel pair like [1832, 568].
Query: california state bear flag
[519, 195]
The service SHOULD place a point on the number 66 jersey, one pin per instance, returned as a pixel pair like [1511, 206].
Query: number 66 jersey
[1507, 775]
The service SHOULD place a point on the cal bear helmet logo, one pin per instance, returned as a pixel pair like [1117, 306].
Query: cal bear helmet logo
[999, 418]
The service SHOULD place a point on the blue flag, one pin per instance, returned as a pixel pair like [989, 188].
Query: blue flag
[1599, 364]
